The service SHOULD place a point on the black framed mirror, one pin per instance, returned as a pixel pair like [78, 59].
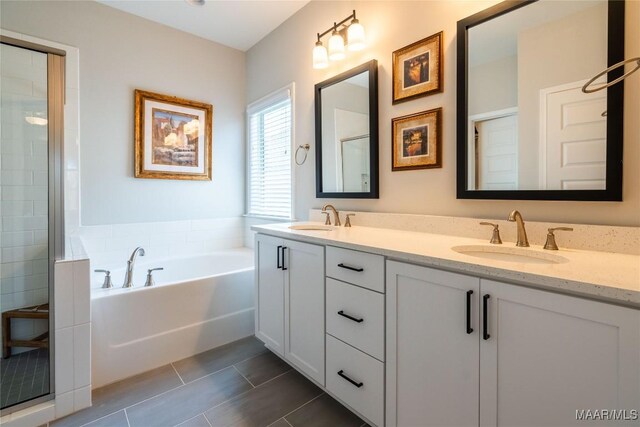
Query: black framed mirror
[346, 109]
[525, 128]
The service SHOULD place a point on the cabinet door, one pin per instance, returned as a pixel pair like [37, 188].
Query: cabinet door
[549, 355]
[269, 293]
[432, 358]
[304, 308]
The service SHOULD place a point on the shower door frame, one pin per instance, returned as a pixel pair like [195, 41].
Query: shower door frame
[55, 148]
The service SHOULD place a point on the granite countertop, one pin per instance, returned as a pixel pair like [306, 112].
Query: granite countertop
[605, 276]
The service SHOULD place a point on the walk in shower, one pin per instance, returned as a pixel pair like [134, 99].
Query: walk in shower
[31, 239]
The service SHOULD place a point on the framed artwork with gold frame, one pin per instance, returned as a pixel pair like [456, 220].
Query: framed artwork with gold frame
[417, 69]
[172, 137]
[417, 141]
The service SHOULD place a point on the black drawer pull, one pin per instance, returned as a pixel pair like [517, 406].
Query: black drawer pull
[284, 248]
[341, 313]
[357, 384]
[485, 317]
[278, 258]
[348, 267]
[469, 328]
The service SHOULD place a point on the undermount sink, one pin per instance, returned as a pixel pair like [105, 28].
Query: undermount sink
[311, 227]
[510, 254]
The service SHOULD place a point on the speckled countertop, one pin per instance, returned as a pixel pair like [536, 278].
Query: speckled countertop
[604, 276]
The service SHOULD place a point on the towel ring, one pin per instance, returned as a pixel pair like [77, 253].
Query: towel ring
[586, 89]
[306, 151]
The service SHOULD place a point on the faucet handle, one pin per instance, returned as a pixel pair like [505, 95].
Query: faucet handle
[107, 279]
[150, 281]
[347, 221]
[327, 221]
[551, 244]
[495, 237]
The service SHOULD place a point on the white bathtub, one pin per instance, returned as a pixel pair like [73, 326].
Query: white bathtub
[199, 302]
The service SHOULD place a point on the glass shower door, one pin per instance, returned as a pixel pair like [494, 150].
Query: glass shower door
[26, 261]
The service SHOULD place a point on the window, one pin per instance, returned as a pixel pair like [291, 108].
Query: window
[269, 155]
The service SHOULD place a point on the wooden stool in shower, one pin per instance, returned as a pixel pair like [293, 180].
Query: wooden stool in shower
[34, 312]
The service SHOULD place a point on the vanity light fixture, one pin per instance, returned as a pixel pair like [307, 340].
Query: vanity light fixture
[349, 28]
[196, 2]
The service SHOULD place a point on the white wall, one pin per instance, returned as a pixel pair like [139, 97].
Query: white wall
[493, 85]
[285, 55]
[119, 53]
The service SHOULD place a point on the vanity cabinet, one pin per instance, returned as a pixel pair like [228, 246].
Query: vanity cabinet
[456, 343]
[289, 306]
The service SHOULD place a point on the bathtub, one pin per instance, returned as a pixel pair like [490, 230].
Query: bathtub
[198, 302]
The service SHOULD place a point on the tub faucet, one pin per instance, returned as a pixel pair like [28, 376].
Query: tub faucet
[128, 277]
[522, 239]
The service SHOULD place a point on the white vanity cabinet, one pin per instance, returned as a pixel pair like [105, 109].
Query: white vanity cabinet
[290, 302]
[540, 357]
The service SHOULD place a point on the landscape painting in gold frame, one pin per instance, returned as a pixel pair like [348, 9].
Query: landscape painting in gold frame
[172, 137]
[417, 141]
[417, 69]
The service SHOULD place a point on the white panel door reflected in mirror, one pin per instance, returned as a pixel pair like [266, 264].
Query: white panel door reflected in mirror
[530, 127]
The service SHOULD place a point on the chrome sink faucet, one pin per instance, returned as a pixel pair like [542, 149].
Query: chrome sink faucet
[336, 214]
[522, 239]
[128, 277]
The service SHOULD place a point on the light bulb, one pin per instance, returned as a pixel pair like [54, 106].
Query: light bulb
[320, 58]
[336, 46]
[355, 36]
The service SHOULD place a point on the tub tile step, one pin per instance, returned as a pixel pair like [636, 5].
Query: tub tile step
[262, 368]
[114, 397]
[188, 401]
[194, 367]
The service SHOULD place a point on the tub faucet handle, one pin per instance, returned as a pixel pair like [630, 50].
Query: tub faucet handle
[107, 284]
[150, 281]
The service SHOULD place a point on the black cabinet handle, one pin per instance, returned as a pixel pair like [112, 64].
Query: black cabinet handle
[348, 267]
[485, 317]
[341, 313]
[278, 256]
[469, 328]
[283, 249]
[355, 383]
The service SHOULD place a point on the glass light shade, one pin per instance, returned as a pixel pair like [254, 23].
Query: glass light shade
[355, 36]
[336, 47]
[320, 57]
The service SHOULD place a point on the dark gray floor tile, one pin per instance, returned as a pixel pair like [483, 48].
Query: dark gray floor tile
[199, 421]
[116, 396]
[262, 367]
[265, 404]
[184, 403]
[119, 419]
[280, 423]
[324, 411]
[202, 364]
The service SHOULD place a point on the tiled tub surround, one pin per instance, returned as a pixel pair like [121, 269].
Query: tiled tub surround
[109, 246]
[599, 238]
[197, 303]
[607, 276]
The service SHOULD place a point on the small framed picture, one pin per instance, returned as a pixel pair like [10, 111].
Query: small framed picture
[417, 141]
[172, 137]
[417, 69]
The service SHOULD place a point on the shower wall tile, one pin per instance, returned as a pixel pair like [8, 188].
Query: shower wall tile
[81, 294]
[64, 362]
[63, 294]
[64, 404]
[81, 356]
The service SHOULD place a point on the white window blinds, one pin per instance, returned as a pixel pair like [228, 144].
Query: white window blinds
[269, 180]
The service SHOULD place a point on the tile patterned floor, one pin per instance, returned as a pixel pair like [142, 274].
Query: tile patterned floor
[24, 376]
[239, 384]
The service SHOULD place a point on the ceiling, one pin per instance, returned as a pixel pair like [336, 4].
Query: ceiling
[238, 24]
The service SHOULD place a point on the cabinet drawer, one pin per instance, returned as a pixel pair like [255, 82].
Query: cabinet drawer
[359, 268]
[364, 326]
[367, 394]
